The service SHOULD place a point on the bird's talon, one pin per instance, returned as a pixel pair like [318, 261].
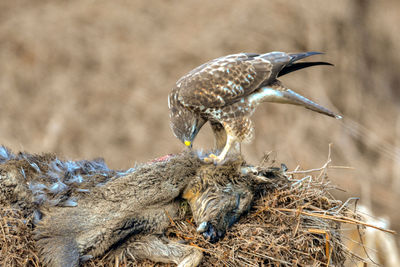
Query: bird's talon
[208, 160]
[212, 158]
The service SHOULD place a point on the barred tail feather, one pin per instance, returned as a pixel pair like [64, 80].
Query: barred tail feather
[297, 99]
[287, 96]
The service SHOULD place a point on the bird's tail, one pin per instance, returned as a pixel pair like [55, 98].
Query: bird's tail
[292, 66]
[297, 56]
[297, 99]
[278, 94]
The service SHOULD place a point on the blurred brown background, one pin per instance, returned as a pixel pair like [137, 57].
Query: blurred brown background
[90, 79]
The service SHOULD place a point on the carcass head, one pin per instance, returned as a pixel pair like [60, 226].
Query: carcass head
[217, 197]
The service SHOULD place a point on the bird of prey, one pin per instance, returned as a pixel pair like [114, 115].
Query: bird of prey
[226, 91]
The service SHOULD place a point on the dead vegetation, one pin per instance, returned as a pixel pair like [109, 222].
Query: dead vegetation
[294, 220]
[17, 247]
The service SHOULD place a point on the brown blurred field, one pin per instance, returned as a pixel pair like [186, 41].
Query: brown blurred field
[90, 79]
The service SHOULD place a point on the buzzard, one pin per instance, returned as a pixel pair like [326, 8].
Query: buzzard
[226, 91]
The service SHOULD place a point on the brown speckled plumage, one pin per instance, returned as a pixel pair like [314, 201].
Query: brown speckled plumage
[226, 92]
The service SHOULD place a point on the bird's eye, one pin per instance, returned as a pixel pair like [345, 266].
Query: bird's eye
[188, 143]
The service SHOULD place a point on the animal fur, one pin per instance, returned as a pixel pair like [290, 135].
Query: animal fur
[84, 209]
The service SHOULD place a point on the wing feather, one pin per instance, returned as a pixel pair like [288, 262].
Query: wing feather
[223, 81]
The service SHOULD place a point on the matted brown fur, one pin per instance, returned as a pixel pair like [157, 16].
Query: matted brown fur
[269, 236]
[282, 226]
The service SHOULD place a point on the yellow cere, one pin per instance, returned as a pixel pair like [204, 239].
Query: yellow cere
[187, 143]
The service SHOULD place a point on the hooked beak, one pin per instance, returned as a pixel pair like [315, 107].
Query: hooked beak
[188, 144]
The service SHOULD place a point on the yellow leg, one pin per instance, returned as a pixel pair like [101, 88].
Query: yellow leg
[218, 159]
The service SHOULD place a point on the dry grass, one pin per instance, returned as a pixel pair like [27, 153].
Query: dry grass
[294, 221]
[17, 245]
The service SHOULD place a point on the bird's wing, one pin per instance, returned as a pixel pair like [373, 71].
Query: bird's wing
[224, 80]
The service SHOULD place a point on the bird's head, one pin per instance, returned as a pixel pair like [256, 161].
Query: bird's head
[185, 125]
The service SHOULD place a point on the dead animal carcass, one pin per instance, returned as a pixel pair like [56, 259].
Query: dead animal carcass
[83, 209]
